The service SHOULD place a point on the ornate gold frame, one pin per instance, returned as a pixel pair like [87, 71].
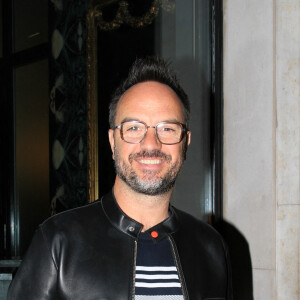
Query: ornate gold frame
[94, 21]
[92, 105]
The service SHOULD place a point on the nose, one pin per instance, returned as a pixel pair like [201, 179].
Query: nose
[150, 140]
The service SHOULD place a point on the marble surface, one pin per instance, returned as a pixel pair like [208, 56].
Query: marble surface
[262, 139]
[288, 149]
[288, 100]
[288, 232]
[249, 124]
[264, 284]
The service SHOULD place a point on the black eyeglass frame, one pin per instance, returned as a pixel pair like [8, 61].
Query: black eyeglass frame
[184, 130]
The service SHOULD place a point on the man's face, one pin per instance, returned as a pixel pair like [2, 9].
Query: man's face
[148, 167]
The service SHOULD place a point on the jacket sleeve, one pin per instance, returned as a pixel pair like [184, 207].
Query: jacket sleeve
[36, 277]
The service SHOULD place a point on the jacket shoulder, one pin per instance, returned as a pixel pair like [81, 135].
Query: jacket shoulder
[80, 216]
[196, 227]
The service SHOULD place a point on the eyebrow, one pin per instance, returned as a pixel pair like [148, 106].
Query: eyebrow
[139, 120]
[130, 119]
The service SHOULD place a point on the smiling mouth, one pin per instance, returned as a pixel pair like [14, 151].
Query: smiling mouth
[150, 161]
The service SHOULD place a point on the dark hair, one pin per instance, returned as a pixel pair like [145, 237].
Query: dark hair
[149, 69]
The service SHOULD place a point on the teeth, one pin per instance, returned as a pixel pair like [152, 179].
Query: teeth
[150, 161]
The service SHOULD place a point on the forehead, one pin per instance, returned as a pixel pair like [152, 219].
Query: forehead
[150, 102]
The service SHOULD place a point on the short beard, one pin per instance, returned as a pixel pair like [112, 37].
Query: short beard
[148, 184]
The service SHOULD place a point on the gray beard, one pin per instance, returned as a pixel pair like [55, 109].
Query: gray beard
[149, 184]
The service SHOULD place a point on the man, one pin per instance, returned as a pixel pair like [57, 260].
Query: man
[132, 244]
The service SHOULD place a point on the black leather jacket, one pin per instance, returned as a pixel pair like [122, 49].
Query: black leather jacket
[89, 253]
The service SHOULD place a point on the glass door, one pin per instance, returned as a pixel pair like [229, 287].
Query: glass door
[182, 32]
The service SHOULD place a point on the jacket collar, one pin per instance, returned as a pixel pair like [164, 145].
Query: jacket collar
[131, 227]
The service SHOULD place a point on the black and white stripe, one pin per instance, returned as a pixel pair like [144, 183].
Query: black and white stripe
[156, 275]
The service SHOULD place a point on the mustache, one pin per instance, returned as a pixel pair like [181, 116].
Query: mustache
[149, 154]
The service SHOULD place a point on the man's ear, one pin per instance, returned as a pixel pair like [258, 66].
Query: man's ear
[188, 136]
[187, 142]
[111, 141]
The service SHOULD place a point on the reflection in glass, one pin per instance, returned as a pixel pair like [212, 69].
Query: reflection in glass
[31, 23]
[31, 147]
[178, 31]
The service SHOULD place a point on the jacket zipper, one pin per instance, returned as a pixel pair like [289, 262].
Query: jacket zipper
[134, 270]
[179, 270]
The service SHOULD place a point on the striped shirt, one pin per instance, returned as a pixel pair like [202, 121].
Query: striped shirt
[156, 274]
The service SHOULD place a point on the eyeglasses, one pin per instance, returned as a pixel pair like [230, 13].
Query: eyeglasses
[168, 133]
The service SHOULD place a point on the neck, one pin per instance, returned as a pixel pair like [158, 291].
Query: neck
[145, 209]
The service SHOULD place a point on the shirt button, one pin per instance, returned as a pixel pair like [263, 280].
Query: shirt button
[154, 234]
[131, 228]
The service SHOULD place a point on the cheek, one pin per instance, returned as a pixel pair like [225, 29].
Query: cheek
[124, 149]
[180, 152]
[176, 151]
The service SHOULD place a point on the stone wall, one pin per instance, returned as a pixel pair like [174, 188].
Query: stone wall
[287, 148]
[261, 138]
